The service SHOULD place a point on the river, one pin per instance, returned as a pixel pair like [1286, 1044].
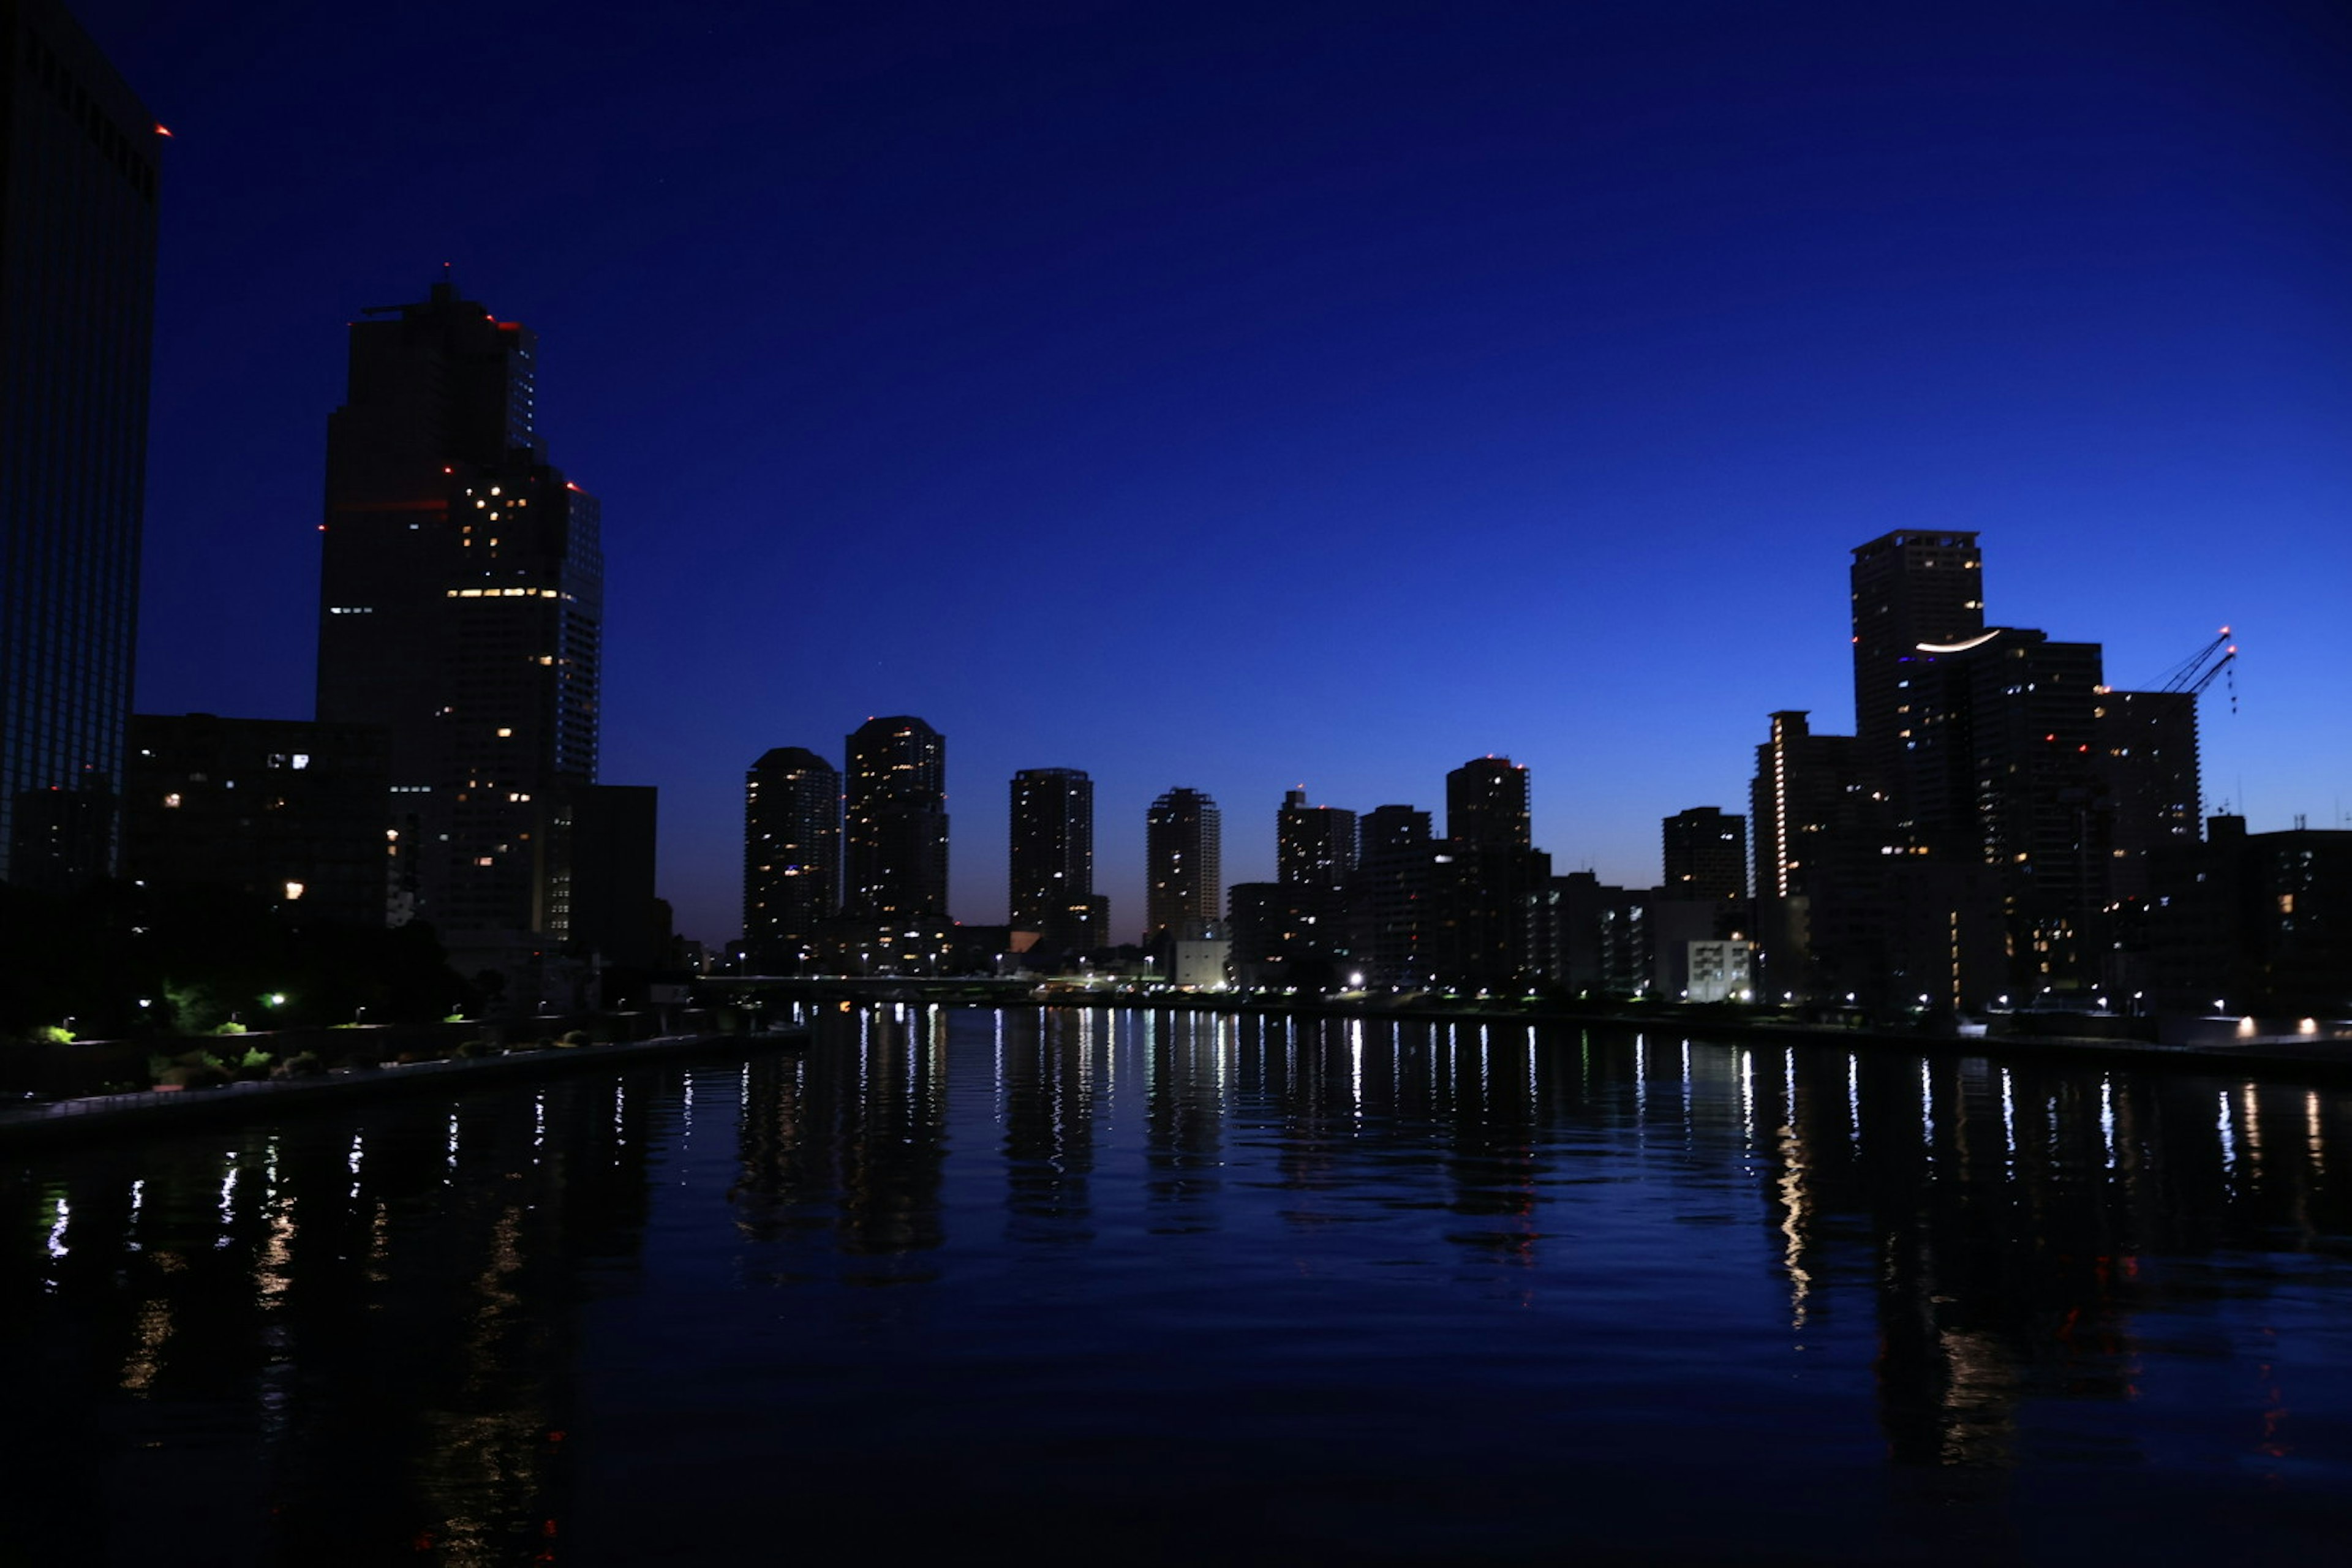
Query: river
[1185, 1287]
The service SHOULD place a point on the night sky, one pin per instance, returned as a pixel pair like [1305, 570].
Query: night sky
[1289, 395]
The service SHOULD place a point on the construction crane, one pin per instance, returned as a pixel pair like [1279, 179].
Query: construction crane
[2196, 672]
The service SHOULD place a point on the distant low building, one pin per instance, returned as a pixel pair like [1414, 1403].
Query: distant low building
[1715, 972]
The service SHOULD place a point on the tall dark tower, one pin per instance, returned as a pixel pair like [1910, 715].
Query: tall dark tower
[1391, 893]
[792, 858]
[461, 609]
[1051, 880]
[78, 179]
[1908, 589]
[1475, 928]
[1183, 865]
[896, 836]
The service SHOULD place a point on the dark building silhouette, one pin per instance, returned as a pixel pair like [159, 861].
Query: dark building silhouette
[614, 916]
[1296, 930]
[1051, 865]
[2146, 751]
[895, 835]
[2253, 922]
[1706, 855]
[1820, 829]
[1314, 845]
[792, 858]
[1482, 877]
[78, 185]
[284, 809]
[1263, 919]
[1391, 897]
[1183, 866]
[2007, 774]
[1992, 830]
[1590, 939]
[1908, 589]
[461, 609]
[1486, 805]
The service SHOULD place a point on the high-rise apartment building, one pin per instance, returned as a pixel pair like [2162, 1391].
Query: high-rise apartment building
[1706, 855]
[792, 858]
[461, 608]
[1183, 866]
[1486, 805]
[1314, 845]
[2007, 775]
[896, 833]
[1050, 881]
[1908, 589]
[1391, 893]
[78, 183]
[1475, 931]
[1807, 802]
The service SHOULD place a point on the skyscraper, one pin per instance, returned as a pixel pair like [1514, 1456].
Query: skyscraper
[896, 836]
[461, 608]
[792, 856]
[1807, 803]
[1051, 867]
[1908, 589]
[1297, 929]
[2007, 775]
[1486, 805]
[1391, 893]
[1483, 876]
[1183, 865]
[77, 183]
[1314, 845]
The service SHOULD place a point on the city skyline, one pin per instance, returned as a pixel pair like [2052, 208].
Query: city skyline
[1299, 398]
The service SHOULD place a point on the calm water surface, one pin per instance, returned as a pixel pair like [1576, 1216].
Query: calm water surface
[1182, 1288]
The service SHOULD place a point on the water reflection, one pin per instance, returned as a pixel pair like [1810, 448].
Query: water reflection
[379, 1332]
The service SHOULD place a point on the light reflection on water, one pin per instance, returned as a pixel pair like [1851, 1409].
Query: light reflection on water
[1186, 1285]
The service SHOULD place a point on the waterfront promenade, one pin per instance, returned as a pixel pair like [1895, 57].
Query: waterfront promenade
[2323, 1053]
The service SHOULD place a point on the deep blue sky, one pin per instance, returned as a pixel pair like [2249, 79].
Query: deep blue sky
[1271, 395]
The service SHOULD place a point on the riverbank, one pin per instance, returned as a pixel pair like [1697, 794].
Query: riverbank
[2324, 1059]
[150, 1113]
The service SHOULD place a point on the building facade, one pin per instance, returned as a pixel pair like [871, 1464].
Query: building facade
[461, 610]
[1482, 876]
[78, 174]
[1705, 855]
[895, 832]
[1183, 866]
[1314, 845]
[1907, 588]
[1050, 867]
[1390, 898]
[281, 809]
[792, 858]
